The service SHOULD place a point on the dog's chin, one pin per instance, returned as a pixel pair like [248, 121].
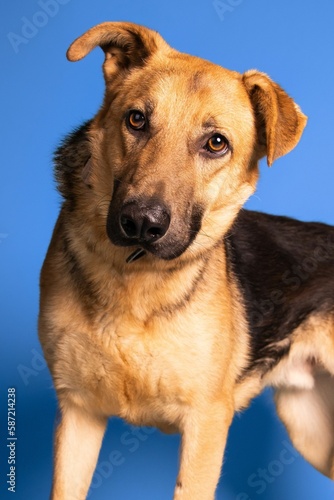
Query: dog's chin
[167, 251]
[162, 249]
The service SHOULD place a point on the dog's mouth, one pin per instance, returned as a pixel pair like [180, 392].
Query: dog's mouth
[168, 248]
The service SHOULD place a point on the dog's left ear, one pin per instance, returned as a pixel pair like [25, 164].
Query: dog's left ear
[126, 46]
[279, 120]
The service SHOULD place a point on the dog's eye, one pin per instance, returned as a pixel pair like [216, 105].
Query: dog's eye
[217, 144]
[136, 120]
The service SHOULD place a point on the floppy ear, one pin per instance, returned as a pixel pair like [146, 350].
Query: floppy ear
[126, 45]
[279, 120]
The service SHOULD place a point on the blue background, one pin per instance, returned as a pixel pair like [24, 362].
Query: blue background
[44, 97]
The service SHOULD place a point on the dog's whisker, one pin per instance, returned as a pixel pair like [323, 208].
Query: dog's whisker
[137, 254]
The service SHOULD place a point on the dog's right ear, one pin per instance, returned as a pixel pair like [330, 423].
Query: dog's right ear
[126, 45]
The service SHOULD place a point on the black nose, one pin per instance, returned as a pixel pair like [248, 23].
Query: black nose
[144, 222]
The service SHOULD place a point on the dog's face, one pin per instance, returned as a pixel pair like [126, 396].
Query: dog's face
[176, 144]
[179, 142]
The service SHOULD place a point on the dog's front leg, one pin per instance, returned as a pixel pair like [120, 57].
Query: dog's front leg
[203, 442]
[77, 445]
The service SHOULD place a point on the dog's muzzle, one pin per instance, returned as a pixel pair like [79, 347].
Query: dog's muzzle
[138, 223]
[149, 225]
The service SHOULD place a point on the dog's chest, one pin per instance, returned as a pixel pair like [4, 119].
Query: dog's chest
[146, 373]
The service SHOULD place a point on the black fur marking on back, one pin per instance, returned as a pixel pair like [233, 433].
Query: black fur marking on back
[285, 272]
[70, 159]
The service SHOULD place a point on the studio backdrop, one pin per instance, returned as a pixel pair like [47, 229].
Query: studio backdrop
[43, 98]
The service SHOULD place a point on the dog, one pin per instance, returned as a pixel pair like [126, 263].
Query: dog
[163, 301]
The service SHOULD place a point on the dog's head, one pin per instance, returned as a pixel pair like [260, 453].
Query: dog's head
[175, 146]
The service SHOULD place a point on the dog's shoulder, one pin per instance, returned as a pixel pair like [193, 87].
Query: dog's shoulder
[285, 272]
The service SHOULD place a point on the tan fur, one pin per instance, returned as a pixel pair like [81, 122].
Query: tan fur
[135, 347]
[305, 396]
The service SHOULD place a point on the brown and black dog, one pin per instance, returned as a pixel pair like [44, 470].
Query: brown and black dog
[164, 303]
